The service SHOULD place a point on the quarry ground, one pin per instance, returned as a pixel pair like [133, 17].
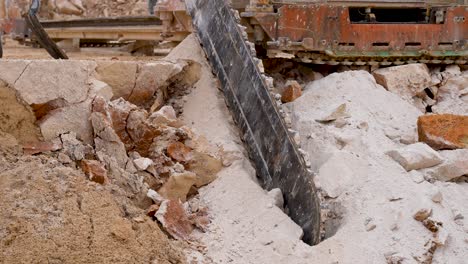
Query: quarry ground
[110, 158]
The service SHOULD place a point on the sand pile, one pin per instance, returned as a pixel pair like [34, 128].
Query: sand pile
[51, 213]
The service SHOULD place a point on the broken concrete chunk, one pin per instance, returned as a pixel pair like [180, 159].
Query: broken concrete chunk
[422, 214]
[155, 196]
[338, 113]
[444, 131]
[436, 197]
[205, 167]
[405, 80]
[74, 148]
[106, 140]
[165, 116]
[119, 111]
[442, 236]
[455, 165]
[46, 80]
[95, 171]
[64, 159]
[101, 89]
[11, 70]
[32, 148]
[68, 8]
[340, 168]
[178, 186]
[142, 163]
[141, 132]
[416, 156]
[120, 75]
[72, 118]
[179, 152]
[293, 90]
[174, 219]
[151, 77]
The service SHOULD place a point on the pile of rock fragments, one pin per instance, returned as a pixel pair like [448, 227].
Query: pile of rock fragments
[390, 153]
[124, 133]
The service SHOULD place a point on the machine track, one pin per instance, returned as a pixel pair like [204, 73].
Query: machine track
[278, 160]
[321, 60]
[44, 40]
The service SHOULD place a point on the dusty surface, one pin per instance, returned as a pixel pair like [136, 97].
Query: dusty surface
[377, 207]
[51, 213]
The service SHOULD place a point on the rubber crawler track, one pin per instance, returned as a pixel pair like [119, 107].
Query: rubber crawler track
[276, 157]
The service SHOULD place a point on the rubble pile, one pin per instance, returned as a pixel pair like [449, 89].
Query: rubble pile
[385, 146]
[438, 90]
[64, 112]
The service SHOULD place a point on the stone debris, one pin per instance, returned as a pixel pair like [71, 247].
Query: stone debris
[338, 114]
[452, 94]
[406, 80]
[422, 214]
[174, 219]
[64, 159]
[337, 168]
[106, 139]
[95, 170]
[416, 156]
[178, 186]
[450, 170]
[205, 167]
[120, 75]
[444, 131]
[155, 196]
[142, 163]
[292, 91]
[74, 148]
[437, 197]
[179, 152]
[32, 148]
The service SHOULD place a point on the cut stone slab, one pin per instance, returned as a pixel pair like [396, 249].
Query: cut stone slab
[405, 80]
[416, 156]
[120, 75]
[46, 80]
[444, 131]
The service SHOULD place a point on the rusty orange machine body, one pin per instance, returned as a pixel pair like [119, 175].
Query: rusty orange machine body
[361, 31]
